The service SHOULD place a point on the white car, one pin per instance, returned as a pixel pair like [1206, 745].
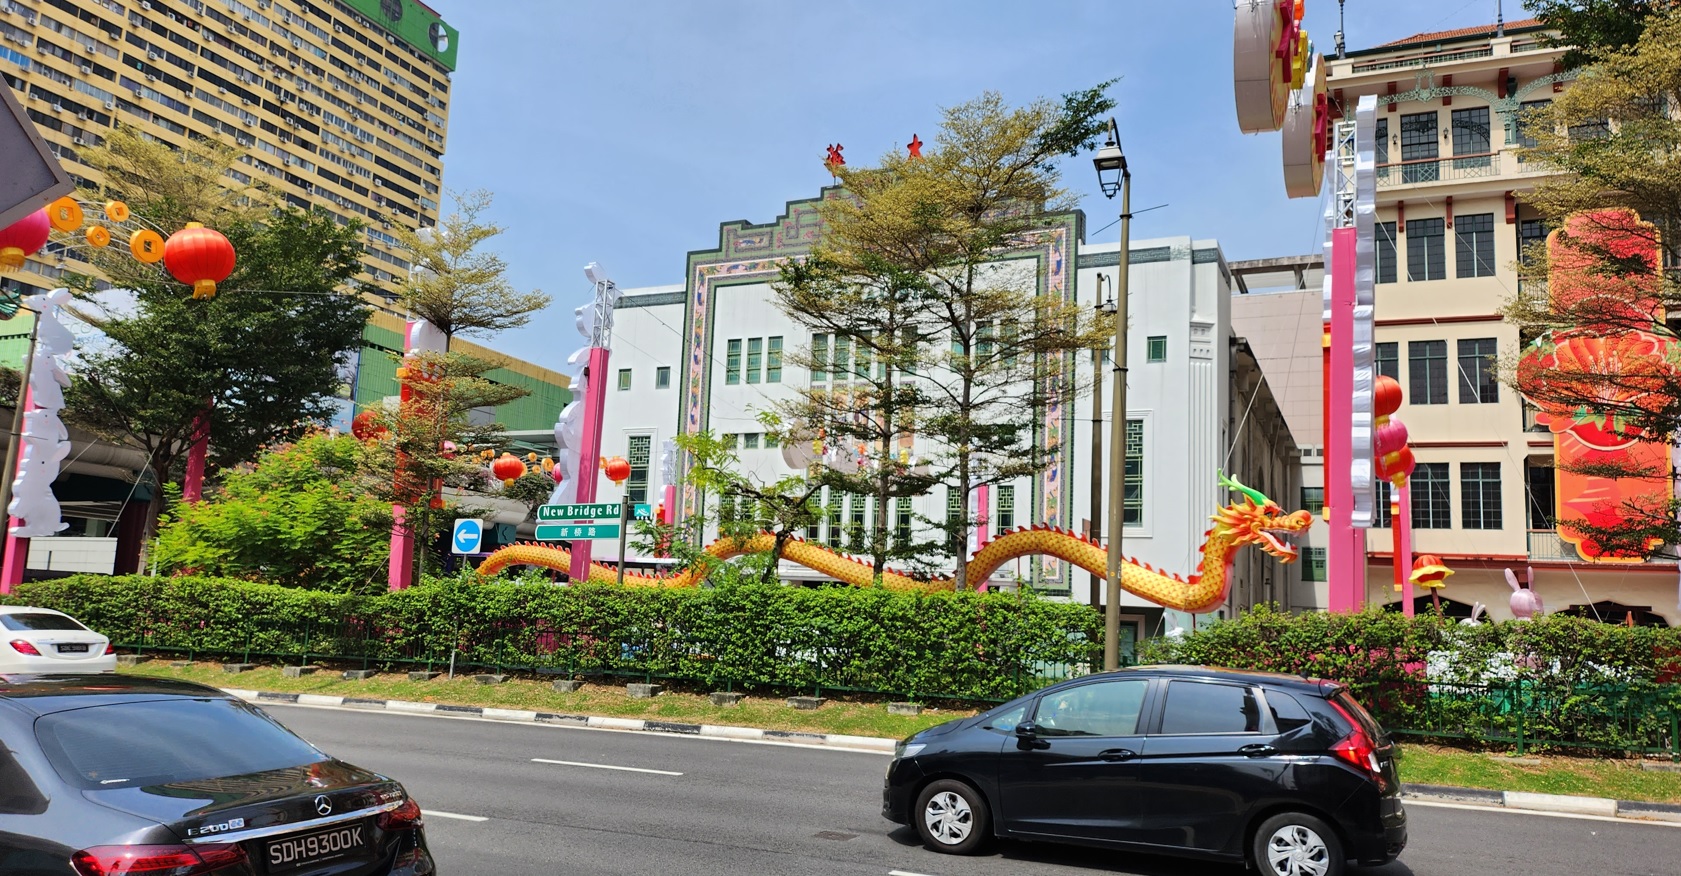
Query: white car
[40, 640]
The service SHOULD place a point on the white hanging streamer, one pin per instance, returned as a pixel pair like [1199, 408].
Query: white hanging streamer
[45, 441]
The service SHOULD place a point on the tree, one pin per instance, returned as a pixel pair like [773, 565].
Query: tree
[260, 360]
[292, 518]
[934, 230]
[432, 440]
[1588, 26]
[744, 507]
[866, 309]
[457, 287]
[1615, 144]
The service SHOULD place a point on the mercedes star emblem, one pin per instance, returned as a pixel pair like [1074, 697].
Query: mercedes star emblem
[323, 806]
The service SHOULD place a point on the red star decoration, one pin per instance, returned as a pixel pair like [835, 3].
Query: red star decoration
[915, 146]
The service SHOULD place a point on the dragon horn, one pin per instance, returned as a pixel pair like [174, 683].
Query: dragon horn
[1231, 483]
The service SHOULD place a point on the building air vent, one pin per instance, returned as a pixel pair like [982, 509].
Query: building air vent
[110, 104]
[87, 70]
[151, 56]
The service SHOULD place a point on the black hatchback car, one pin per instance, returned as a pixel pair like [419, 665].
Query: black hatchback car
[1288, 773]
[103, 775]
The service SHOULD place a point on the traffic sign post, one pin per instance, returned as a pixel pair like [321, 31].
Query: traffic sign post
[467, 536]
[624, 526]
[588, 511]
[576, 531]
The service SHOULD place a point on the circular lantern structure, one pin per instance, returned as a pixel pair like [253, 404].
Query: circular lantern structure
[200, 257]
[617, 469]
[365, 426]
[22, 239]
[508, 468]
[65, 214]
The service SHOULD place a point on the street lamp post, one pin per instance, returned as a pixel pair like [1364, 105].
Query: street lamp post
[1114, 177]
[1104, 308]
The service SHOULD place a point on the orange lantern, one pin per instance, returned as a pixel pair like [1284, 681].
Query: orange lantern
[1428, 571]
[116, 211]
[65, 214]
[98, 236]
[23, 238]
[366, 427]
[508, 468]
[200, 257]
[617, 469]
[146, 245]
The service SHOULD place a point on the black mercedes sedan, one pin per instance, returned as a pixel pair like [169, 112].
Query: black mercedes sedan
[103, 775]
[1288, 773]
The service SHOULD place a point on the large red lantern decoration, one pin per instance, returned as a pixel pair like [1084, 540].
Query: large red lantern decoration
[366, 427]
[22, 239]
[200, 257]
[508, 468]
[617, 469]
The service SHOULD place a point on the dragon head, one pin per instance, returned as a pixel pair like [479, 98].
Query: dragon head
[1260, 521]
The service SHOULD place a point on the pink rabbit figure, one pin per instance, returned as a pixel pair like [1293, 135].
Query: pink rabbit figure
[1526, 603]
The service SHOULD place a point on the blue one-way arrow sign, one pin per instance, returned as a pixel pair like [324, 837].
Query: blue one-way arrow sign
[467, 536]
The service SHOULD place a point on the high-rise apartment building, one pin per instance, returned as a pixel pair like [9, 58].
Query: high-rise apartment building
[1451, 224]
[342, 105]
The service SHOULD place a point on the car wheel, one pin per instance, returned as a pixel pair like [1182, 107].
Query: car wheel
[1297, 844]
[952, 817]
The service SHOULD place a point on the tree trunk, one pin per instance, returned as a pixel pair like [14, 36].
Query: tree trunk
[159, 462]
[769, 576]
[879, 543]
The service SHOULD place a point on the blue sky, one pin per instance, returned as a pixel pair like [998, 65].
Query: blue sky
[625, 132]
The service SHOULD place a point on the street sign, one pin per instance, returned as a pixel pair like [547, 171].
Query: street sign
[467, 536]
[599, 510]
[643, 511]
[576, 531]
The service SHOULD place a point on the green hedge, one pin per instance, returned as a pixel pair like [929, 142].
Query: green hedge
[966, 646]
[1559, 681]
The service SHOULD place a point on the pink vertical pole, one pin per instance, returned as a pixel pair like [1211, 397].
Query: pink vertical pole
[1404, 557]
[1345, 548]
[17, 549]
[983, 516]
[589, 456]
[400, 570]
[192, 487]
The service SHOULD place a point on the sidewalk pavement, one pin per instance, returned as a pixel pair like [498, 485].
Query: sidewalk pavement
[1515, 800]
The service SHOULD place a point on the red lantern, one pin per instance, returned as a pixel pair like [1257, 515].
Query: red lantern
[200, 257]
[448, 450]
[617, 469]
[366, 427]
[22, 239]
[508, 468]
[1386, 396]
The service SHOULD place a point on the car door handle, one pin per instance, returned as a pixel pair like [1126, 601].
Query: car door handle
[1259, 749]
[1117, 754]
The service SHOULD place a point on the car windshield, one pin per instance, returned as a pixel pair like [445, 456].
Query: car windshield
[158, 742]
[38, 621]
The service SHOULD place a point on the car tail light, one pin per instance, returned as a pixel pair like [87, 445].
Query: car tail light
[1358, 749]
[23, 647]
[110, 648]
[402, 818]
[157, 860]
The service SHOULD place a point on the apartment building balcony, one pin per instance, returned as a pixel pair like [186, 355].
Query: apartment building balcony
[1454, 169]
[1545, 544]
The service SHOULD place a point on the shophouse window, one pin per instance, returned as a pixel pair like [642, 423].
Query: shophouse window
[1431, 496]
[1384, 235]
[1426, 250]
[1473, 245]
[1427, 372]
[1479, 495]
[1418, 145]
[732, 362]
[1386, 360]
[1477, 385]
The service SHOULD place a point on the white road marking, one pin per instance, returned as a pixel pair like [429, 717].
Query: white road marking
[904, 873]
[603, 766]
[1472, 806]
[438, 813]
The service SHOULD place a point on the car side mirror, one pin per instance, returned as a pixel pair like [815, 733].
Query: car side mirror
[1027, 730]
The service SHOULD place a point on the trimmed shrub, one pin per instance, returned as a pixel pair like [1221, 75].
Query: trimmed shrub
[989, 646]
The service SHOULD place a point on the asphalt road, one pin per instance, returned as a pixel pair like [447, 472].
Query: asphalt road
[702, 806]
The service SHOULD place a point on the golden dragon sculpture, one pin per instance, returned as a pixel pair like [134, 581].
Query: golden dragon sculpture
[1253, 520]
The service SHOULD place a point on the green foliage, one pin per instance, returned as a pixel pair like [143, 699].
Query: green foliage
[1561, 681]
[745, 635]
[457, 287]
[1587, 26]
[290, 519]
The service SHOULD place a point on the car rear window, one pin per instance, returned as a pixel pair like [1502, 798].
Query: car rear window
[1202, 707]
[38, 621]
[157, 742]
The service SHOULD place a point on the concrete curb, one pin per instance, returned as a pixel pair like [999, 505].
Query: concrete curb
[1602, 807]
[522, 716]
